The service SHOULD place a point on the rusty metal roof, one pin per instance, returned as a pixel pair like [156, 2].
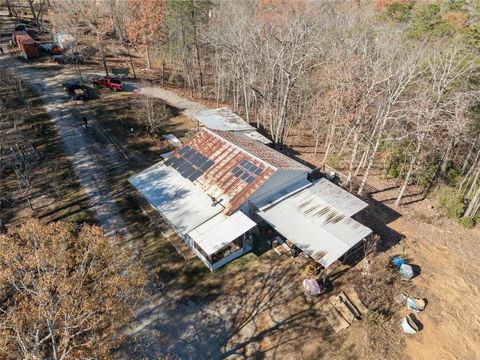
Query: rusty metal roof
[262, 151]
[233, 174]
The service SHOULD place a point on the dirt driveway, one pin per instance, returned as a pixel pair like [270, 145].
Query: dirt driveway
[82, 149]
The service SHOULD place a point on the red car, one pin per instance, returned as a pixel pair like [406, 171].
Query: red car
[108, 82]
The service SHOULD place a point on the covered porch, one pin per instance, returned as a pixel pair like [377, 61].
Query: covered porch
[221, 239]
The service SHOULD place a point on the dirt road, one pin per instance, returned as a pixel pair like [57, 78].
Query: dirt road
[186, 106]
[82, 149]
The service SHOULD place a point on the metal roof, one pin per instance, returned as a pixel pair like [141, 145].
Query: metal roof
[222, 119]
[220, 230]
[220, 169]
[255, 135]
[183, 204]
[273, 198]
[172, 139]
[316, 220]
[226, 120]
[261, 151]
[338, 198]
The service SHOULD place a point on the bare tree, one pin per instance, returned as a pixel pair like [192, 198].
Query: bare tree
[150, 113]
[440, 92]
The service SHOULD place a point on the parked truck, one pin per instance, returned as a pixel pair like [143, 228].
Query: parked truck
[26, 44]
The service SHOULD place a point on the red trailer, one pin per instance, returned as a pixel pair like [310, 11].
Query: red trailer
[26, 44]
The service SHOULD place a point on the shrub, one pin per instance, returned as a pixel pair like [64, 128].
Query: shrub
[398, 159]
[457, 20]
[424, 175]
[450, 202]
[399, 11]
[393, 172]
[428, 21]
[453, 177]
[457, 5]
[466, 222]
[333, 161]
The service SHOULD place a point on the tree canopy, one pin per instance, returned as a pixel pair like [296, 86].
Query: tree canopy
[64, 292]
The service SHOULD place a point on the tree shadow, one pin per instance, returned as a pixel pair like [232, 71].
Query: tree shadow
[404, 197]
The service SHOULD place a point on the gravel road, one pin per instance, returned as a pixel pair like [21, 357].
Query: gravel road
[186, 106]
[78, 143]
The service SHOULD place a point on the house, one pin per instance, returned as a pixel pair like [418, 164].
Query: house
[214, 189]
[226, 120]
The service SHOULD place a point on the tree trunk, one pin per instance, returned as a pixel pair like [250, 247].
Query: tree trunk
[245, 95]
[474, 183]
[470, 152]
[328, 144]
[409, 173]
[147, 56]
[131, 61]
[371, 159]
[317, 141]
[105, 64]
[197, 50]
[446, 158]
[473, 205]
[345, 141]
[353, 158]
[34, 13]
[283, 114]
[363, 159]
[9, 8]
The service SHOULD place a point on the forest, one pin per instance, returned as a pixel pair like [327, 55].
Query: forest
[389, 85]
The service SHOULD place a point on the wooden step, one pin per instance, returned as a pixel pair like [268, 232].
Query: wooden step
[336, 321]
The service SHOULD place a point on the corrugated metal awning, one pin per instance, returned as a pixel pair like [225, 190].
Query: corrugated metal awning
[220, 231]
[317, 220]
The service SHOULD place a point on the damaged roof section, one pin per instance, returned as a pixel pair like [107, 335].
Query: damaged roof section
[262, 152]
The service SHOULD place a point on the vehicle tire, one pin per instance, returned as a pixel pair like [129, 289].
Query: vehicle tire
[114, 89]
